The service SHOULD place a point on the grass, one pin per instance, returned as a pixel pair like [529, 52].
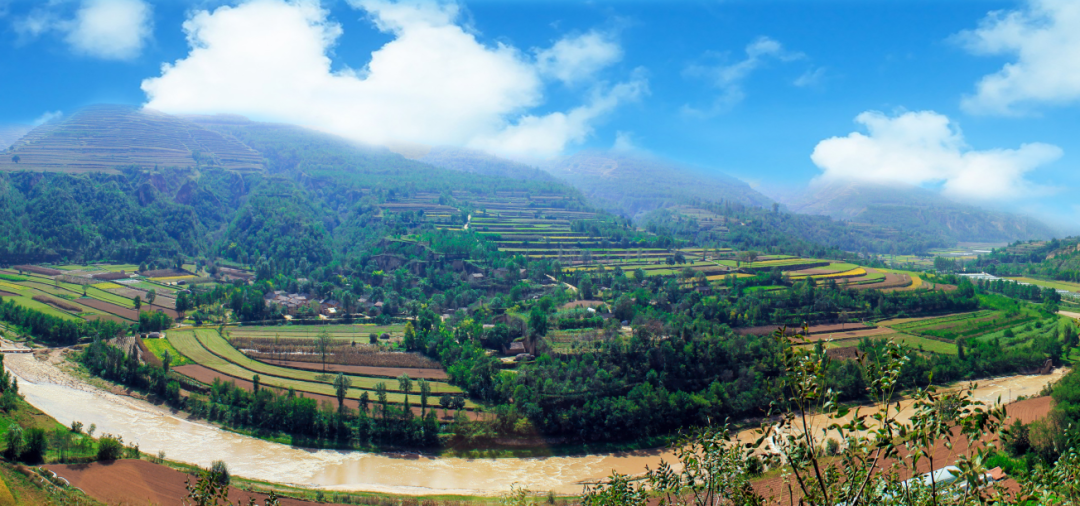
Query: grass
[1056, 285]
[12, 277]
[967, 325]
[159, 346]
[923, 343]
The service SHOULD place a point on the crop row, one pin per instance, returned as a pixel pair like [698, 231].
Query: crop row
[216, 354]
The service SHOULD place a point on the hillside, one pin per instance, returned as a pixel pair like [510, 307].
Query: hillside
[633, 184]
[105, 137]
[11, 133]
[478, 162]
[913, 209]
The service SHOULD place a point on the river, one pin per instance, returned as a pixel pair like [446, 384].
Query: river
[155, 429]
[66, 398]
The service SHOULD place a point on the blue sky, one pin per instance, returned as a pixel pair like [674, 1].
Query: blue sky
[977, 99]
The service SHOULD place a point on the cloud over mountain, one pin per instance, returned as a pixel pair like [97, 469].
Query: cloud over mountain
[924, 147]
[433, 83]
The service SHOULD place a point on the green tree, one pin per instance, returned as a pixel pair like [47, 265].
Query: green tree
[538, 322]
[324, 344]
[425, 392]
[151, 296]
[406, 385]
[380, 394]
[16, 444]
[342, 383]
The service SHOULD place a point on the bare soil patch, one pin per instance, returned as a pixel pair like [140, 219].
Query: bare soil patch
[124, 312]
[45, 271]
[814, 329]
[361, 370]
[58, 303]
[140, 482]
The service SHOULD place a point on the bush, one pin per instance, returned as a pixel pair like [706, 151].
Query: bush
[754, 466]
[15, 443]
[220, 471]
[37, 443]
[110, 447]
[832, 447]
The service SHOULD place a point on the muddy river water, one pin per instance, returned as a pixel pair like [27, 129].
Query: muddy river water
[155, 429]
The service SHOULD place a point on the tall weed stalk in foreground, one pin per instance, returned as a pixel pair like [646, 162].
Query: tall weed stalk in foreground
[870, 459]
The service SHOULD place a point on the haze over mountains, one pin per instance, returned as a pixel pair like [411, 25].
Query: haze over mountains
[104, 138]
[912, 208]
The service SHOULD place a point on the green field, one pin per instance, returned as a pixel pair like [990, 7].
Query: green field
[1056, 285]
[159, 346]
[967, 325]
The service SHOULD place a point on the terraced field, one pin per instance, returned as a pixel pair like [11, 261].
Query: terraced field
[207, 348]
[966, 325]
[103, 299]
[354, 332]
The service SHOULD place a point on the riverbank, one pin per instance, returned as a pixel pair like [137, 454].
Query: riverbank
[155, 428]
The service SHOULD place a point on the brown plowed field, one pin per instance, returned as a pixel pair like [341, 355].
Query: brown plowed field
[141, 482]
[8, 294]
[891, 281]
[109, 317]
[814, 329]
[45, 271]
[207, 375]
[836, 336]
[121, 311]
[364, 370]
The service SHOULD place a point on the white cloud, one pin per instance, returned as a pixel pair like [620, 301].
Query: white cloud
[573, 59]
[924, 147]
[434, 83]
[545, 136]
[624, 142]
[729, 78]
[812, 77]
[111, 29]
[106, 29]
[1044, 38]
[47, 116]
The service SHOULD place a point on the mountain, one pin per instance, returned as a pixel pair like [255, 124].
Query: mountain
[634, 184]
[910, 208]
[11, 133]
[105, 137]
[471, 161]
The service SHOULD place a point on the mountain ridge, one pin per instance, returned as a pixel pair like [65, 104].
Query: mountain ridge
[914, 208]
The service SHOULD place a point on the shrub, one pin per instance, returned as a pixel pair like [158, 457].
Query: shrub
[15, 443]
[37, 443]
[220, 471]
[754, 466]
[110, 447]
